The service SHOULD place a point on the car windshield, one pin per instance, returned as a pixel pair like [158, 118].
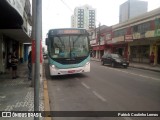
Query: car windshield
[116, 56]
[69, 46]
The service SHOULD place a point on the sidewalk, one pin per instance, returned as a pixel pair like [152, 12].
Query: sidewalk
[16, 94]
[138, 65]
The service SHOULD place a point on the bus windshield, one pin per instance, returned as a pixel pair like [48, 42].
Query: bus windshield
[69, 46]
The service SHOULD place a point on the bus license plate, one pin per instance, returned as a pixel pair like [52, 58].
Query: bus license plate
[71, 71]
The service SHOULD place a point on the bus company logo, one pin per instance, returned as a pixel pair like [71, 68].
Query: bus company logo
[6, 114]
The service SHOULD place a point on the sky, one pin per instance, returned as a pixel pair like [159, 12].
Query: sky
[57, 13]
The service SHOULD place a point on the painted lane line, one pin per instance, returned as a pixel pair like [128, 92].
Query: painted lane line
[158, 79]
[99, 96]
[86, 86]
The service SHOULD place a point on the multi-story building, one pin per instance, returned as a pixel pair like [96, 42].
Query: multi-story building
[15, 29]
[84, 17]
[138, 37]
[131, 9]
[134, 39]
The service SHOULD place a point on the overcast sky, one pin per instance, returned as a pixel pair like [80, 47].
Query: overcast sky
[57, 13]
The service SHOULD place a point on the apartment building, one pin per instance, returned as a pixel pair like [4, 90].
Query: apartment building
[84, 17]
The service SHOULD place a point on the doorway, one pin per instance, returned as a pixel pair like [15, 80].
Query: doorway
[120, 51]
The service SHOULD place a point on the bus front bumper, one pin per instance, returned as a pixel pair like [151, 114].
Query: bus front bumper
[54, 71]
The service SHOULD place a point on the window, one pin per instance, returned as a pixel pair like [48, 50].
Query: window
[119, 32]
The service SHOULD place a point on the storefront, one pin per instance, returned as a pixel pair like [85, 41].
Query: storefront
[140, 53]
[158, 54]
[156, 49]
[140, 50]
[121, 49]
[98, 51]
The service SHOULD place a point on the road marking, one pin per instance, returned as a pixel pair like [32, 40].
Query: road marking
[99, 96]
[133, 73]
[127, 118]
[86, 86]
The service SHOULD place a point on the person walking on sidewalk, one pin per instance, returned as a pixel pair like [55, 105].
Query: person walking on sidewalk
[14, 63]
[30, 65]
[9, 65]
[152, 58]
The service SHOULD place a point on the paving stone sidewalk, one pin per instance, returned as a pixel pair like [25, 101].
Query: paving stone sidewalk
[16, 94]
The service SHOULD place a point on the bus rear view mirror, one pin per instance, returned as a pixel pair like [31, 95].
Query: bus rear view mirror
[46, 41]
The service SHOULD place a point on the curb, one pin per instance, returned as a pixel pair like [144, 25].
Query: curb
[46, 97]
[145, 68]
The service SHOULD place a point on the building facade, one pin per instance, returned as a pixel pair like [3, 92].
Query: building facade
[134, 39]
[15, 29]
[99, 41]
[131, 9]
[83, 17]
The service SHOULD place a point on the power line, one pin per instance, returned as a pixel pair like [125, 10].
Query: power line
[67, 5]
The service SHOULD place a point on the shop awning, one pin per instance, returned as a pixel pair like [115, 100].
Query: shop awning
[16, 34]
[102, 47]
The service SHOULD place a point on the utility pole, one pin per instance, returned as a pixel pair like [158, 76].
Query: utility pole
[99, 40]
[37, 10]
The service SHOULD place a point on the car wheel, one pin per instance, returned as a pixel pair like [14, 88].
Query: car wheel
[125, 67]
[113, 65]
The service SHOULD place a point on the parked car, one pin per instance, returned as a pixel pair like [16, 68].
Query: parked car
[114, 60]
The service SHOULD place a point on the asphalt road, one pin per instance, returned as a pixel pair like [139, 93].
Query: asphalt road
[105, 89]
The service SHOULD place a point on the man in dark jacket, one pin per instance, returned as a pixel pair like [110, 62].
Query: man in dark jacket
[14, 63]
[30, 65]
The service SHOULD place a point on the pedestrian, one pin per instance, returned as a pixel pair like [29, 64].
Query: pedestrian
[9, 61]
[30, 65]
[14, 63]
[152, 58]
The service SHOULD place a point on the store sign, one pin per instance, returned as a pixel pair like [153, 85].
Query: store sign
[108, 36]
[110, 42]
[128, 38]
[136, 35]
[102, 42]
[149, 34]
[99, 47]
[93, 42]
[118, 39]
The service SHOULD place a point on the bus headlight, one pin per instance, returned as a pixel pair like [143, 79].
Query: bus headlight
[53, 66]
[87, 63]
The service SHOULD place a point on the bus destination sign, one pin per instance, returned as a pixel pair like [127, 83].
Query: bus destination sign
[68, 32]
